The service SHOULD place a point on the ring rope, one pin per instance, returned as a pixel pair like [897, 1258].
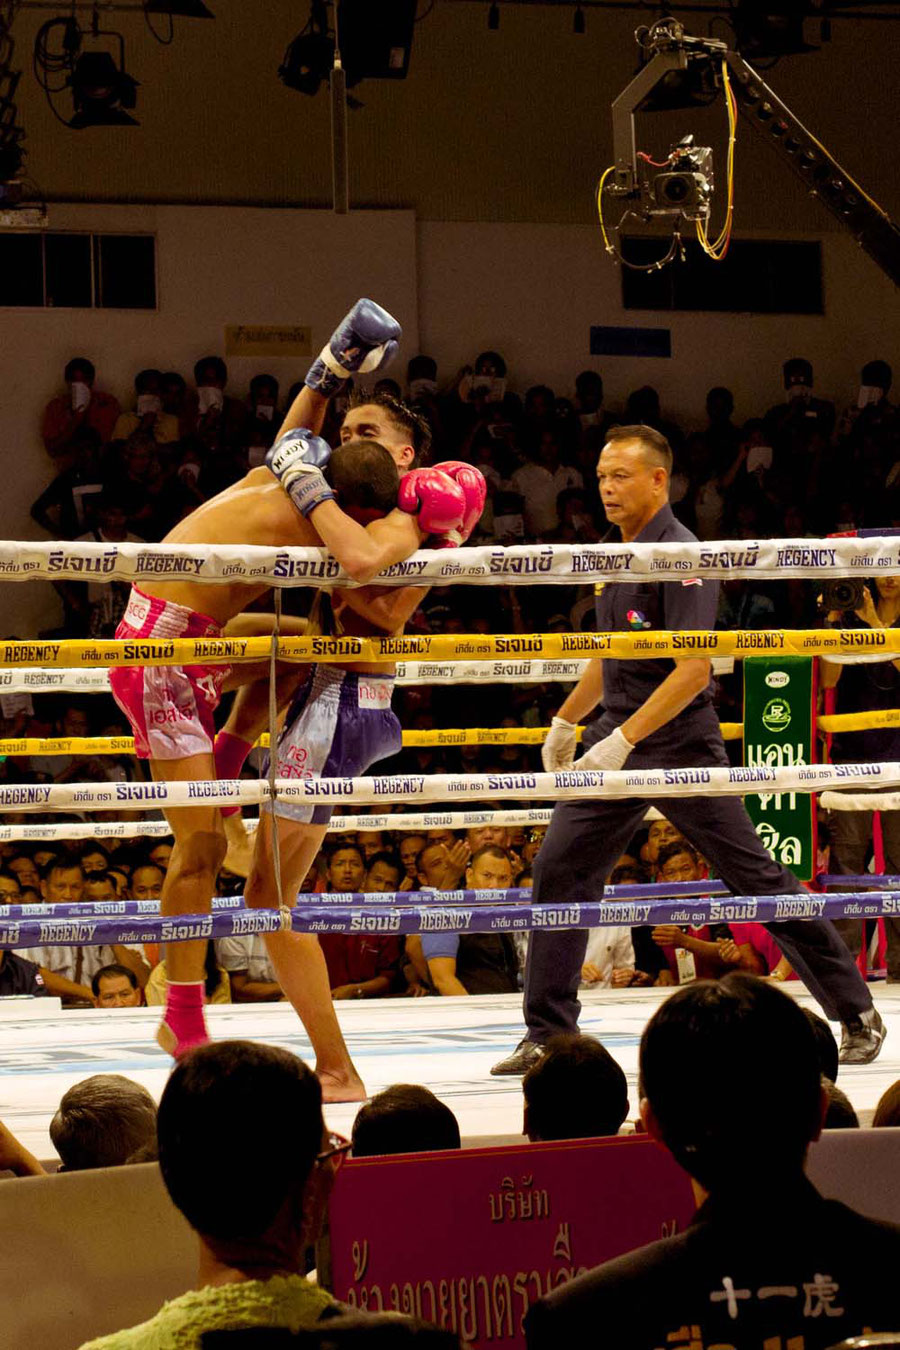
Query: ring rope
[416, 822]
[124, 745]
[672, 890]
[520, 565]
[653, 645]
[453, 915]
[449, 736]
[860, 801]
[92, 681]
[567, 783]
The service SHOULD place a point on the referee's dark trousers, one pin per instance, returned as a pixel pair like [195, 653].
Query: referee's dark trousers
[586, 838]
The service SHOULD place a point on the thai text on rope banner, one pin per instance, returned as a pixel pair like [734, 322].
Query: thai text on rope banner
[651, 645]
[527, 564]
[566, 783]
[456, 913]
[124, 745]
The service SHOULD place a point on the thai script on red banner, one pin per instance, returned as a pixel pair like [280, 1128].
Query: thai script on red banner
[470, 1240]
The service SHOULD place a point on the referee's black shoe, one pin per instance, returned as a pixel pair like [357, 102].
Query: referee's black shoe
[520, 1061]
[862, 1039]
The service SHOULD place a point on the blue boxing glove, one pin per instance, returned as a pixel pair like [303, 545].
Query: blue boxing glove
[366, 339]
[297, 459]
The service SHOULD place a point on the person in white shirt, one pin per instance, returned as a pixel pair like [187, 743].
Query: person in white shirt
[252, 975]
[609, 959]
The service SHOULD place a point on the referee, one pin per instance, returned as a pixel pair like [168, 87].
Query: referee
[659, 714]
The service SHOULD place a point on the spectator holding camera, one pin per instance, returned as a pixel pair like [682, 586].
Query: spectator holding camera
[82, 415]
[148, 414]
[865, 687]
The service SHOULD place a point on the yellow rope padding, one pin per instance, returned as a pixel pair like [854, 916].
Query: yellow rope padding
[455, 647]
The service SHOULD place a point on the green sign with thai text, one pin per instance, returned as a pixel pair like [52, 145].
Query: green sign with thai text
[779, 727]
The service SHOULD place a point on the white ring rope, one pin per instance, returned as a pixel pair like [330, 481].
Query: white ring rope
[73, 680]
[525, 564]
[414, 822]
[623, 783]
[860, 801]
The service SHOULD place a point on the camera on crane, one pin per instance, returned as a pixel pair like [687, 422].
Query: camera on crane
[684, 187]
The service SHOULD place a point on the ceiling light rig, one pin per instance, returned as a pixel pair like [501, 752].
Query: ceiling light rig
[88, 62]
[89, 65]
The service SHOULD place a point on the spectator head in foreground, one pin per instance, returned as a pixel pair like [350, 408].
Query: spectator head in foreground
[840, 1114]
[101, 1122]
[826, 1045]
[576, 1090]
[729, 1070]
[887, 1112]
[404, 1118]
[219, 1106]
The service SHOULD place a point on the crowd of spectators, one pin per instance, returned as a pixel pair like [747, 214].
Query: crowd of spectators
[802, 467]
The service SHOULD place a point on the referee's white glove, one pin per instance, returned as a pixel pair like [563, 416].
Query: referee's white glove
[558, 749]
[610, 753]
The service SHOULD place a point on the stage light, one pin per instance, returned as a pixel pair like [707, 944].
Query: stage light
[101, 91]
[494, 17]
[307, 62]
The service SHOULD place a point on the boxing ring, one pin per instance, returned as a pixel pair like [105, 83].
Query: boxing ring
[449, 1044]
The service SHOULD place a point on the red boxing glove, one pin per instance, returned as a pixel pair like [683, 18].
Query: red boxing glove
[471, 480]
[439, 503]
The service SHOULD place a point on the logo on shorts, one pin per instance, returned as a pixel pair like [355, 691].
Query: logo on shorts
[776, 715]
[777, 679]
[636, 619]
[138, 611]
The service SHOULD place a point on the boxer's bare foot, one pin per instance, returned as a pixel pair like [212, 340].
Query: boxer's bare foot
[343, 1087]
[239, 854]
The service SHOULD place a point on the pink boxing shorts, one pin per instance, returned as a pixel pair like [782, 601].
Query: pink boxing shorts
[170, 708]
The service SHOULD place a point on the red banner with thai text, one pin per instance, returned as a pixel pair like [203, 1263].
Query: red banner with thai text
[469, 1239]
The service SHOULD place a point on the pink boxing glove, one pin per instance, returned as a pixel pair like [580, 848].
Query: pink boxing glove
[439, 503]
[474, 487]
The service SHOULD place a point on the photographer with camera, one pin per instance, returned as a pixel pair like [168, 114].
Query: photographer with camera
[864, 687]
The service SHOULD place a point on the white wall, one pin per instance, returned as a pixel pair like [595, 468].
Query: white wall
[531, 291]
[534, 291]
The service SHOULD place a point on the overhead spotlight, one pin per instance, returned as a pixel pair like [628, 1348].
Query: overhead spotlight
[578, 21]
[179, 9]
[494, 17]
[102, 90]
[308, 61]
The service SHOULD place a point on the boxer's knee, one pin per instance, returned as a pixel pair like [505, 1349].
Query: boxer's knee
[199, 852]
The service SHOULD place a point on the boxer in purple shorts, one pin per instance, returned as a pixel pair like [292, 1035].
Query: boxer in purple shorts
[338, 724]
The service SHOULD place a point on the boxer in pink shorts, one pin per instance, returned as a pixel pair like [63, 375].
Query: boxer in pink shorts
[289, 503]
[170, 708]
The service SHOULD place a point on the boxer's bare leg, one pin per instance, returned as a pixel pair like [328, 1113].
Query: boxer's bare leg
[297, 957]
[247, 720]
[188, 888]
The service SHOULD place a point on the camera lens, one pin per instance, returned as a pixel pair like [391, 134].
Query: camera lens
[844, 593]
[677, 188]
